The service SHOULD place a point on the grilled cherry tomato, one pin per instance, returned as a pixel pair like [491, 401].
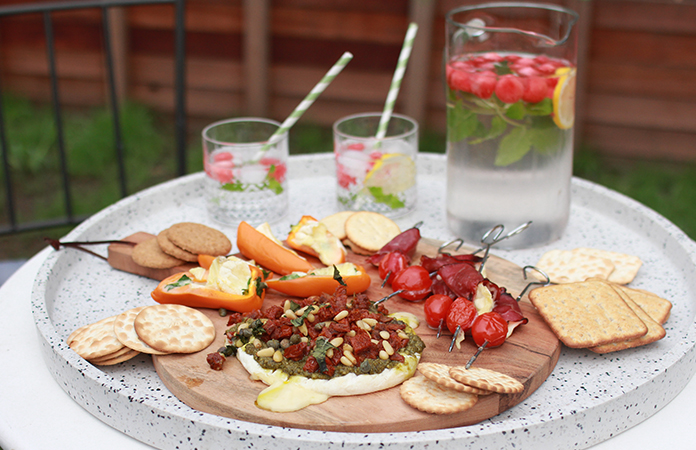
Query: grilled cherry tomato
[415, 282]
[391, 264]
[436, 308]
[489, 327]
[461, 314]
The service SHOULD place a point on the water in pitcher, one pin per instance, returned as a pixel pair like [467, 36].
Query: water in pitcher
[509, 145]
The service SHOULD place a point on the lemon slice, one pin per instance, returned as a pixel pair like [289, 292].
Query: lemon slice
[393, 172]
[564, 99]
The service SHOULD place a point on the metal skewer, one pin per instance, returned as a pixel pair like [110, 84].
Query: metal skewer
[533, 283]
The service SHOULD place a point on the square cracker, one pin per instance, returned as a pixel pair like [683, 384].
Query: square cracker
[566, 266]
[657, 307]
[625, 266]
[655, 330]
[587, 314]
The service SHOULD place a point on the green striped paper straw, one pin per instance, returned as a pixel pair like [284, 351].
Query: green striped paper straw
[309, 99]
[396, 80]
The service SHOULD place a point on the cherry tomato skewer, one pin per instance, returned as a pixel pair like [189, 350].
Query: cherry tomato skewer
[436, 309]
[414, 282]
[476, 355]
[460, 318]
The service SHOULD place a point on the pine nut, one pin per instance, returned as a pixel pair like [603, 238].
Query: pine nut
[370, 321]
[290, 314]
[342, 315]
[311, 317]
[336, 342]
[383, 355]
[345, 361]
[351, 333]
[388, 348]
[257, 343]
[278, 356]
[268, 351]
[384, 334]
[347, 348]
[329, 353]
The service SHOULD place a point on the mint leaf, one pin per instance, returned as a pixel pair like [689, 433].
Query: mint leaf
[390, 200]
[234, 187]
[274, 185]
[547, 138]
[516, 111]
[502, 68]
[543, 108]
[461, 122]
[498, 127]
[513, 147]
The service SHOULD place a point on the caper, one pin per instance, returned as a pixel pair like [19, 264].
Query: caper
[222, 349]
[285, 343]
[273, 343]
[245, 333]
[222, 312]
[294, 339]
[366, 366]
[229, 350]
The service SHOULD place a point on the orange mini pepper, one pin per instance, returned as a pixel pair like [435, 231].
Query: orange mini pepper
[188, 289]
[314, 238]
[268, 252]
[323, 280]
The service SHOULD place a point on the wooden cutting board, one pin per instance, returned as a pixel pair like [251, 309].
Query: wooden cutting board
[529, 355]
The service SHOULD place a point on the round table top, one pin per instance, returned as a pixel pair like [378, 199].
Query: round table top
[35, 411]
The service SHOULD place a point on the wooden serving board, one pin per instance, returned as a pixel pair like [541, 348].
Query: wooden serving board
[529, 355]
[120, 257]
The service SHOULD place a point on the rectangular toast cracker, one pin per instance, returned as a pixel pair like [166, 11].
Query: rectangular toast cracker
[657, 307]
[655, 330]
[587, 314]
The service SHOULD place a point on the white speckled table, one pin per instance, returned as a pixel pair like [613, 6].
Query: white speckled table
[50, 398]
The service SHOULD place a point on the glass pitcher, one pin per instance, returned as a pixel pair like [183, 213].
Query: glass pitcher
[510, 72]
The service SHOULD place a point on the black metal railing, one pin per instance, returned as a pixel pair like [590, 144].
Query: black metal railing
[47, 9]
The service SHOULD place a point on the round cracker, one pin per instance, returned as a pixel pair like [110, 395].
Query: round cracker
[428, 396]
[487, 379]
[169, 248]
[439, 373]
[124, 327]
[149, 254]
[199, 239]
[174, 328]
[336, 223]
[371, 230]
[356, 248]
[130, 354]
[96, 340]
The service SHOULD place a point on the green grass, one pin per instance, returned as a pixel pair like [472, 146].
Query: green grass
[667, 187]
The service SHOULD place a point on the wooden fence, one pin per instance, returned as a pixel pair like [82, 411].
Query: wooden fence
[637, 63]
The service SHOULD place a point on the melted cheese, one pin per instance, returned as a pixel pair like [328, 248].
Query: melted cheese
[284, 389]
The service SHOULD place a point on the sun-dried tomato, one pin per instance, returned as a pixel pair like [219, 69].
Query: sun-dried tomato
[274, 312]
[311, 365]
[297, 351]
[215, 360]
[278, 329]
[360, 342]
[397, 357]
[234, 318]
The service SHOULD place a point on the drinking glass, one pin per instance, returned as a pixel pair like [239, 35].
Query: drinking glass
[376, 174]
[246, 175]
[510, 89]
